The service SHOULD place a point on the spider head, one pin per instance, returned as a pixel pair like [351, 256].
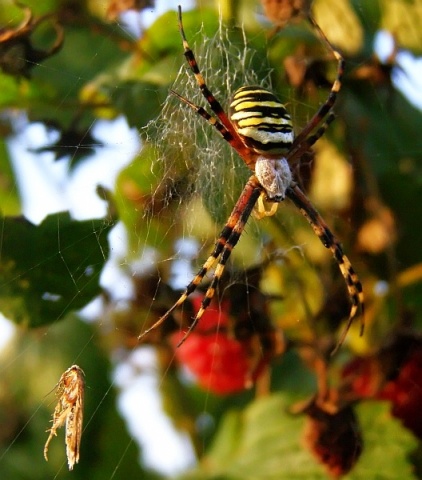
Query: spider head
[275, 176]
[261, 121]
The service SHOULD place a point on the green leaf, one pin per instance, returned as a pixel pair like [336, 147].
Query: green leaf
[387, 445]
[63, 76]
[265, 442]
[145, 201]
[35, 364]
[140, 101]
[143, 80]
[403, 18]
[50, 269]
[9, 195]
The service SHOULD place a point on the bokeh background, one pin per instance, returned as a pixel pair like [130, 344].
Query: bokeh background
[112, 194]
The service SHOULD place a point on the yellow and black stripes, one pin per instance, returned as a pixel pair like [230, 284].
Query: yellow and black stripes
[223, 124]
[329, 241]
[226, 242]
[190, 57]
[239, 217]
[209, 118]
[332, 97]
[261, 120]
[260, 129]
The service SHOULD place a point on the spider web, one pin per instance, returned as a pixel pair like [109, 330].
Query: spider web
[196, 180]
[187, 151]
[208, 160]
[190, 156]
[213, 173]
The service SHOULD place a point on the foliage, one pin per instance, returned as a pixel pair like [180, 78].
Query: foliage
[37, 286]
[255, 443]
[282, 303]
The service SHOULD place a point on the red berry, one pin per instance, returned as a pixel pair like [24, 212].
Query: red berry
[220, 362]
[334, 438]
[405, 393]
[363, 377]
[394, 374]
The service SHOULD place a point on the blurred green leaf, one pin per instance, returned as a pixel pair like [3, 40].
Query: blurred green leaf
[185, 182]
[27, 396]
[404, 17]
[84, 56]
[387, 445]
[383, 125]
[265, 442]
[50, 269]
[9, 195]
[141, 101]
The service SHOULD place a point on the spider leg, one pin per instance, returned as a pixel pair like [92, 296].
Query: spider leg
[299, 149]
[214, 104]
[327, 238]
[190, 57]
[332, 97]
[228, 238]
[213, 121]
[242, 211]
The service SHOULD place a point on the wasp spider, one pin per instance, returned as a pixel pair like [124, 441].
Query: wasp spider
[260, 129]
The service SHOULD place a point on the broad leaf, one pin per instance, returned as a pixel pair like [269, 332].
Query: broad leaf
[264, 441]
[50, 269]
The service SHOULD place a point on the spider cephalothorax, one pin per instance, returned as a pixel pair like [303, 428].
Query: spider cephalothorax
[260, 129]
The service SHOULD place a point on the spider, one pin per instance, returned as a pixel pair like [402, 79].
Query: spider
[260, 130]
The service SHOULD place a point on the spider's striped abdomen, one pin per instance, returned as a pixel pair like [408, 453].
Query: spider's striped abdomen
[261, 120]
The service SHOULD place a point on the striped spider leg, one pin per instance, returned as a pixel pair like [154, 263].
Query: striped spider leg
[260, 129]
[329, 241]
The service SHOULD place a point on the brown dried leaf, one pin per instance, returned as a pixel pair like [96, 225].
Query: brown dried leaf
[69, 411]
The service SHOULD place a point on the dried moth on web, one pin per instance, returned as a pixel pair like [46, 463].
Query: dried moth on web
[69, 412]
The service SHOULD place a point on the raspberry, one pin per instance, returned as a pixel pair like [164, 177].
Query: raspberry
[220, 363]
[393, 374]
[405, 393]
[363, 377]
[334, 438]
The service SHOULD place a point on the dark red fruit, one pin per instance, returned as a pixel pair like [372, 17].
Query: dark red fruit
[394, 374]
[405, 393]
[221, 363]
[334, 438]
